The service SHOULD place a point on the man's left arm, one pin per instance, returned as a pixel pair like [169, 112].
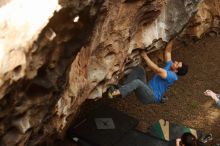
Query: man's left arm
[218, 103]
[168, 51]
[214, 96]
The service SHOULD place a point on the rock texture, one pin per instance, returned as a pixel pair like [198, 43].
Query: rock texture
[206, 20]
[56, 57]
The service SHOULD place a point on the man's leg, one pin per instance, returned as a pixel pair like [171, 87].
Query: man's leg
[142, 91]
[137, 72]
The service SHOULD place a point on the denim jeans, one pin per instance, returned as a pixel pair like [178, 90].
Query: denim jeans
[136, 81]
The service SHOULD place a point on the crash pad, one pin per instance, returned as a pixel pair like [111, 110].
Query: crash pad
[168, 131]
[137, 138]
[104, 126]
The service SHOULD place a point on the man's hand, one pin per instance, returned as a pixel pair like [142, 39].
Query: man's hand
[212, 94]
[209, 93]
[144, 54]
[178, 140]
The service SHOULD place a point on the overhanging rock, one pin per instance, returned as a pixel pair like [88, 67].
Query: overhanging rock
[47, 72]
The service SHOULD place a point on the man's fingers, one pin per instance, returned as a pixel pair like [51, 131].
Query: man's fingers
[207, 91]
[142, 50]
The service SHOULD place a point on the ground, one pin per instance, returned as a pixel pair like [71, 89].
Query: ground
[186, 105]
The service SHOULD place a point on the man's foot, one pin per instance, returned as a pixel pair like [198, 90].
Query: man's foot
[111, 91]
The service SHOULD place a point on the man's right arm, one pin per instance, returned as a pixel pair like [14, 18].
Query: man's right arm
[156, 69]
[218, 103]
[214, 96]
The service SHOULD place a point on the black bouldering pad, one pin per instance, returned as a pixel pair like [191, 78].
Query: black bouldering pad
[137, 138]
[165, 130]
[104, 126]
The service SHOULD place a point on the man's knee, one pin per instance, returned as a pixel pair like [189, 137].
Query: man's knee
[137, 82]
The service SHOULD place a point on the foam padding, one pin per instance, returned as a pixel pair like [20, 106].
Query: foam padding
[137, 138]
[165, 130]
[104, 126]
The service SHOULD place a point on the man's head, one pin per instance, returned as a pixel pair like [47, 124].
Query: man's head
[179, 68]
[187, 139]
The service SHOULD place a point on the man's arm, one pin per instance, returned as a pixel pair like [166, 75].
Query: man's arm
[178, 140]
[168, 51]
[218, 103]
[214, 96]
[159, 71]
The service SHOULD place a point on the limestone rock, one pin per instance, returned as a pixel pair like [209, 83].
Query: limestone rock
[22, 124]
[49, 68]
[18, 34]
[206, 20]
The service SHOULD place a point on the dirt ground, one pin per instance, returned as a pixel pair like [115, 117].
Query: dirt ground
[186, 105]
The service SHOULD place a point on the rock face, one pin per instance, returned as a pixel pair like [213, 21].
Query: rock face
[56, 57]
[206, 20]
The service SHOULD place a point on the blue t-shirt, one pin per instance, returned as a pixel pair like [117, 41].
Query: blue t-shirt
[159, 85]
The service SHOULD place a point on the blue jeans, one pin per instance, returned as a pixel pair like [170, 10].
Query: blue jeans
[136, 81]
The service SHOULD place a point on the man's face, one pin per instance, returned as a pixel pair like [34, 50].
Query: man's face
[176, 65]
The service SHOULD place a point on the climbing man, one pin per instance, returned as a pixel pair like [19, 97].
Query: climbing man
[158, 85]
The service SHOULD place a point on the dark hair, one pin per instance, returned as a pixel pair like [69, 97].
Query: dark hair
[188, 139]
[182, 70]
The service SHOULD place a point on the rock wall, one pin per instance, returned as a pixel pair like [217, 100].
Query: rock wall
[73, 52]
[206, 20]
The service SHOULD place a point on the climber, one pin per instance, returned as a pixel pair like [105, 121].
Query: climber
[155, 89]
[214, 96]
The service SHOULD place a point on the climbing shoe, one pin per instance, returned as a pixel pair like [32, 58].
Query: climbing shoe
[110, 91]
